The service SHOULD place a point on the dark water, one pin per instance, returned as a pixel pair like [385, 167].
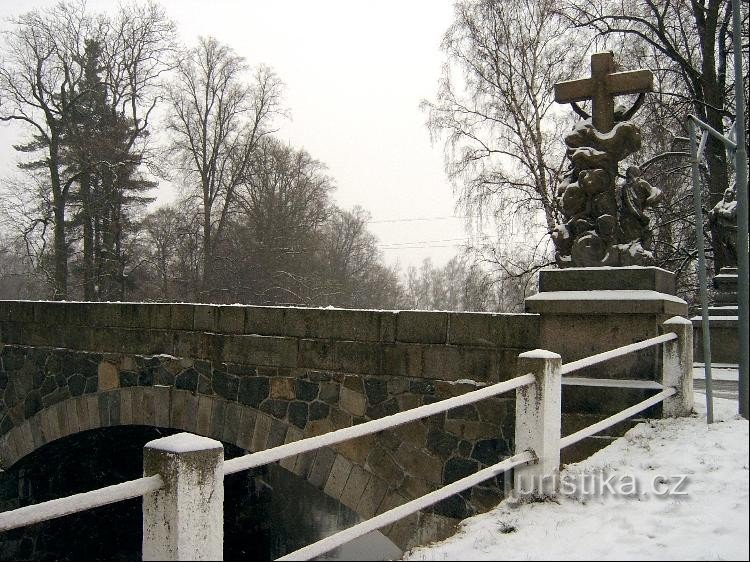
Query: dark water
[267, 512]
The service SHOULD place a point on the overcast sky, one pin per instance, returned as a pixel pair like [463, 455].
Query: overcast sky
[355, 73]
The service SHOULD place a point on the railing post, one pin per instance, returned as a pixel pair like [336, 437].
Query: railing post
[677, 367]
[184, 520]
[538, 423]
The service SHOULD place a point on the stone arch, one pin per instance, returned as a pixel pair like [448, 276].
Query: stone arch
[210, 416]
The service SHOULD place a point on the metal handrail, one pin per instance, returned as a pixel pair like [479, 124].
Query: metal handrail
[268, 456]
[612, 420]
[390, 516]
[68, 505]
[617, 352]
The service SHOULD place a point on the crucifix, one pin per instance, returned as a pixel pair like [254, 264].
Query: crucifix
[602, 88]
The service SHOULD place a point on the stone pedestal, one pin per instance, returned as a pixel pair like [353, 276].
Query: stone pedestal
[585, 311]
[722, 321]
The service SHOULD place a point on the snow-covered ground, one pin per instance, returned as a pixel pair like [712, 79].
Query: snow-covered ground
[677, 490]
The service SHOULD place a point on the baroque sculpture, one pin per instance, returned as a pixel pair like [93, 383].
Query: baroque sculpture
[604, 219]
[723, 221]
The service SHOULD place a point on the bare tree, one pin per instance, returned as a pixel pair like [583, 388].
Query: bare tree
[216, 122]
[79, 83]
[502, 139]
[39, 77]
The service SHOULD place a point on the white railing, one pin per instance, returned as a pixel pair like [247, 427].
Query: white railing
[192, 468]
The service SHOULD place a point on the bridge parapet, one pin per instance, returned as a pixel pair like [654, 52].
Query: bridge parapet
[261, 376]
[435, 345]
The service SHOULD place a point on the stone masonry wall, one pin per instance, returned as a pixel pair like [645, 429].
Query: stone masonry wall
[296, 372]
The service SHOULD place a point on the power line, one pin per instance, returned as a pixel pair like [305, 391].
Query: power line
[415, 219]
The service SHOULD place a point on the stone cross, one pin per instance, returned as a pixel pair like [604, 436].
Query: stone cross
[602, 88]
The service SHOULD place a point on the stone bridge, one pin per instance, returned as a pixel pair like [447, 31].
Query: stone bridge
[258, 377]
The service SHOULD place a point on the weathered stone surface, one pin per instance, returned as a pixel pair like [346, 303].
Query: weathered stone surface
[414, 433]
[352, 402]
[338, 476]
[457, 468]
[277, 408]
[321, 468]
[376, 391]
[422, 327]
[387, 408]
[633, 278]
[380, 463]
[225, 385]
[306, 390]
[253, 390]
[299, 413]
[491, 451]
[282, 388]
[419, 464]
[355, 487]
[108, 376]
[441, 443]
[319, 411]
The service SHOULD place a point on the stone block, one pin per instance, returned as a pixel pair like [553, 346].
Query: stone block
[402, 360]
[371, 498]
[381, 464]
[205, 318]
[419, 464]
[282, 389]
[232, 419]
[163, 404]
[414, 433]
[126, 406]
[422, 327]
[161, 316]
[265, 320]
[607, 278]
[358, 357]
[317, 354]
[108, 376]
[92, 406]
[292, 434]
[101, 314]
[247, 429]
[71, 413]
[50, 425]
[277, 433]
[205, 405]
[388, 321]
[218, 412]
[137, 402]
[352, 402]
[184, 411]
[309, 323]
[340, 471]
[231, 319]
[321, 467]
[135, 315]
[303, 464]
[260, 432]
[355, 487]
[260, 350]
[19, 311]
[606, 303]
[182, 316]
[50, 313]
[493, 330]
[443, 362]
[353, 325]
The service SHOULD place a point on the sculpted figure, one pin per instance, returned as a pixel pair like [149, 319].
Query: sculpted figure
[723, 221]
[604, 221]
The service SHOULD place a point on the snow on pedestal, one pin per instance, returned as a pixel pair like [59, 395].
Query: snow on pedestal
[184, 519]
